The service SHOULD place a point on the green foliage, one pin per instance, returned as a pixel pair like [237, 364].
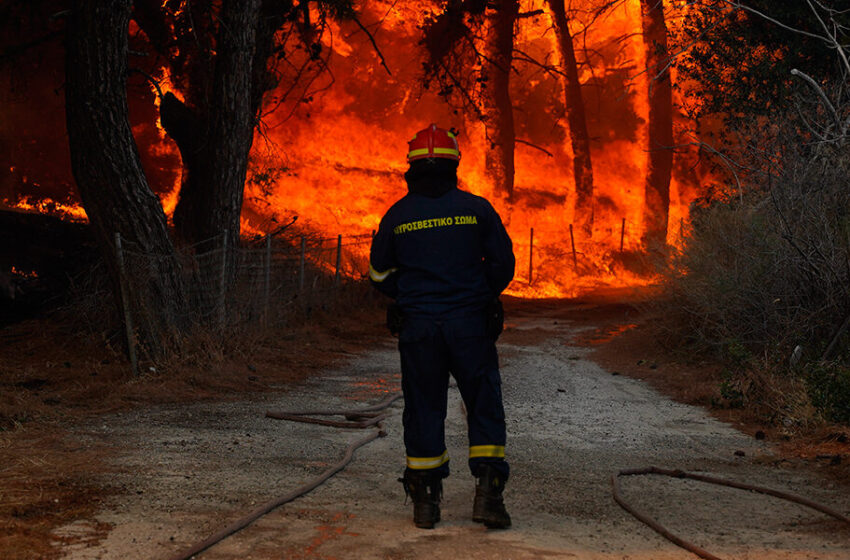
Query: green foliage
[828, 386]
[730, 390]
[742, 61]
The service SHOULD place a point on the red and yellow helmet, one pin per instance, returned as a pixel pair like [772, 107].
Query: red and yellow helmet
[433, 142]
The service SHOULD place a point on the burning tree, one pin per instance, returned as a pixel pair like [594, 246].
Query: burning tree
[582, 163]
[660, 137]
[563, 64]
[224, 58]
[470, 52]
[222, 62]
[496, 109]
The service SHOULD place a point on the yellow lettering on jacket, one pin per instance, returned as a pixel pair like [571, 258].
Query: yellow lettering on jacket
[435, 223]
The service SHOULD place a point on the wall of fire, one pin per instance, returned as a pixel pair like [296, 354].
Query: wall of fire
[336, 159]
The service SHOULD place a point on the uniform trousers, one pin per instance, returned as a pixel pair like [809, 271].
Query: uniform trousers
[431, 349]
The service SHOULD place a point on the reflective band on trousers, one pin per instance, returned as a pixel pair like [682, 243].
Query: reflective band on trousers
[379, 276]
[486, 451]
[427, 462]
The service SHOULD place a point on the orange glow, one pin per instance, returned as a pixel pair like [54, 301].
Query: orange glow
[72, 212]
[333, 154]
[338, 164]
[24, 274]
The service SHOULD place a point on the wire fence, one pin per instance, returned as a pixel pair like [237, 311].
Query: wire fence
[261, 282]
[225, 288]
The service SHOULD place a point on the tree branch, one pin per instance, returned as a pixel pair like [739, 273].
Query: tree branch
[839, 125]
[149, 78]
[374, 44]
[535, 146]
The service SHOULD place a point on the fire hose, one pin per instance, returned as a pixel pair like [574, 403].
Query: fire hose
[664, 532]
[372, 416]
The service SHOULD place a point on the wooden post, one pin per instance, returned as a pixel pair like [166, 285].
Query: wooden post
[125, 304]
[267, 281]
[573, 243]
[338, 259]
[301, 264]
[530, 256]
[622, 234]
[222, 283]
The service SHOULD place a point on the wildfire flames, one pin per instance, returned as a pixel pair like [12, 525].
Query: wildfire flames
[336, 159]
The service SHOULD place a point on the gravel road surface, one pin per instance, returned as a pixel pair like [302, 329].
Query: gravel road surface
[185, 471]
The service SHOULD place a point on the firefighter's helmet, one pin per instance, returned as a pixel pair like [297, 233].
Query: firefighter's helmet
[434, 142]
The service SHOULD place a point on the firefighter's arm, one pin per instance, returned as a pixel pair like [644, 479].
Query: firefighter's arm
[383, 268]
[498, 253]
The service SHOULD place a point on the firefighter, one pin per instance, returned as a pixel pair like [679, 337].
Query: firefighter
[443, 254]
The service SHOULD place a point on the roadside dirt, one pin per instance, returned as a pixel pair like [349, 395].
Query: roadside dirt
[177, 472]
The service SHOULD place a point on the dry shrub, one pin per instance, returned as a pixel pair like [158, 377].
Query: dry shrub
[764, 279]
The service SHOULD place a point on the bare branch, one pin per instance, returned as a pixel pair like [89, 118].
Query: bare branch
[831, 35]
[525, 57]
[535, 146]
[149, 78]
[824, 98]
[806, 122]
[730, 163]
[374, 44]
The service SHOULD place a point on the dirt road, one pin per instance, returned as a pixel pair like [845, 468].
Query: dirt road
[185, 471]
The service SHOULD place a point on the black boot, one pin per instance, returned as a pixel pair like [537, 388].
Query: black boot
[426, 489]
[489, 507]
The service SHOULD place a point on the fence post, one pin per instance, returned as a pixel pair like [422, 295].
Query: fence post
[125, 304]
[573, 243]
[622, 234]
[530, 256]
[267, 279]
[222, 283]
[338, 259]
[301, 264]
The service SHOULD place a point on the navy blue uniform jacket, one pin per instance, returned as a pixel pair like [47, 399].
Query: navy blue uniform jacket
[441, 256]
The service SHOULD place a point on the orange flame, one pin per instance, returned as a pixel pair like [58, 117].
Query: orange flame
[336, 158]
[339, 162]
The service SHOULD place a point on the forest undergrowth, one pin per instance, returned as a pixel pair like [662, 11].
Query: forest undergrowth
[762, 282]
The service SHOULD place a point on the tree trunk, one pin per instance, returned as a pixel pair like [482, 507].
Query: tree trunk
[657, 187]
[580, 139]
[215, 139]
[496, 102]
[106, 166]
